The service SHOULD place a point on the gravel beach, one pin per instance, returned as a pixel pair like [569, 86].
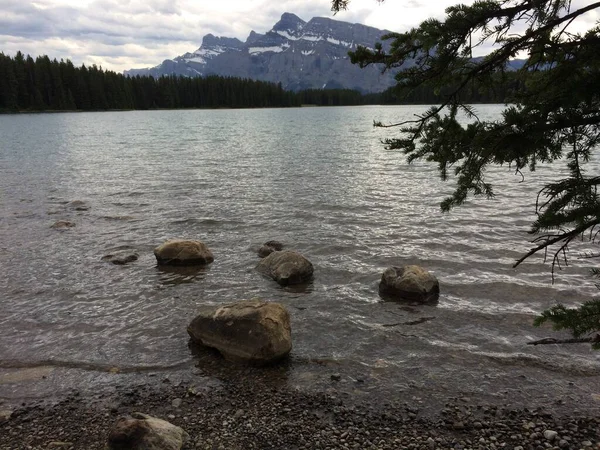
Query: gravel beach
[243, 413]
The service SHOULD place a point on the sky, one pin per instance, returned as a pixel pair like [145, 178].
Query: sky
[125, 34]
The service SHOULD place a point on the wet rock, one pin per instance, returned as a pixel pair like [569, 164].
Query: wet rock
[79, 205]
[121, 257]
[286, 267]
[411, 283]
[250, 331]
[62, 225]
[180, 252]
[142, 432]
[270, 247]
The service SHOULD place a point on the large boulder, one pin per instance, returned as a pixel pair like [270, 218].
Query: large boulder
[180, 252]
[250, 331]
[270, 247]
[142, 432]
[286, 267]
[411, 283]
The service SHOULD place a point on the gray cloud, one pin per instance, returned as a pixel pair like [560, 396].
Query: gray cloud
[121, 34]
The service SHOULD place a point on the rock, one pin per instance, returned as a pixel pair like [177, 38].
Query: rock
[270, 247]
[5, 415]
[60, 444]
[62, 224]
[550, 435]
[336, 377]
[142, 432]
[286, 267]
[121, 257]
[251, 331]
[182, 252]
[409, 283]
[176, 402]
[79, 205]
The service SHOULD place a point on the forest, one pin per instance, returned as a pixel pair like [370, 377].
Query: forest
[42, 84]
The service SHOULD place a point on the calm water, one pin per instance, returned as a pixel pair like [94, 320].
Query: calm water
[317, 179]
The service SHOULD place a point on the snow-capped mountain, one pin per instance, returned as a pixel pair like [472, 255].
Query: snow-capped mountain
[295, 53]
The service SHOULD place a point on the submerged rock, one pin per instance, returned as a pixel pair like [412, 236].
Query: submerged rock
[286, 267]
[251, 331]
[183, 252]
[270, 247]
[121, 257]
[411, 282]
[62, 225]
[142, 432]
[79, 205]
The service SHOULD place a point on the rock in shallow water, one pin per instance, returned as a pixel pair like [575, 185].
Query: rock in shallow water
[412, 283]
[270, 247]
[62, 225]
[142, 432]
[180, 252]
[251, 331]
[286, 267]
[121, 257]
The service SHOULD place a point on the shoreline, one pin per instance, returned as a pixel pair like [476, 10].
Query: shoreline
[243, 414]
[251, 408]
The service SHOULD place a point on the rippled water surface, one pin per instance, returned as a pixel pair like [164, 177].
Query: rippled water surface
[317, 179]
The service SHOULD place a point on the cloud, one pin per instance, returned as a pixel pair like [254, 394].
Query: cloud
[123, 34]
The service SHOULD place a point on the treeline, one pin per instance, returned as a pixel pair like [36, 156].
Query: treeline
[44, 84]
[41, 84]
[497, 91]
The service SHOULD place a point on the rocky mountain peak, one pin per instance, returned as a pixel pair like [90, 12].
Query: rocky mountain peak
[289, 22]
[295, 53]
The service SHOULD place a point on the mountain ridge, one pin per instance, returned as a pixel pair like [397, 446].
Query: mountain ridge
[298, 54]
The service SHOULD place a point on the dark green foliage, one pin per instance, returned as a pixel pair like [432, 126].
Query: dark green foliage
[554, 112]
[44, 84]
[580, 321]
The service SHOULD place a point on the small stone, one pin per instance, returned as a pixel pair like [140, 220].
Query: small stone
[62, 225]
[58, 444]
[336, 377]
[550, 435]
[5, 415]
[176, 403]
[121, 257]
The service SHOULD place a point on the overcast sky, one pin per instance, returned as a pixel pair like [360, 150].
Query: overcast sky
[125, 34]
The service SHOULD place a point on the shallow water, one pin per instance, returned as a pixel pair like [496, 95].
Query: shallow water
[317, 179]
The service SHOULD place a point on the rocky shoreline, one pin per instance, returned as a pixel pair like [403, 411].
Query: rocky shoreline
[244, 414]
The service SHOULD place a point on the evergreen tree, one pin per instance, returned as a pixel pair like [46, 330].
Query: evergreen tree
[554, 113]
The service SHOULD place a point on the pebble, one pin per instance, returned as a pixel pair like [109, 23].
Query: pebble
[550, 435]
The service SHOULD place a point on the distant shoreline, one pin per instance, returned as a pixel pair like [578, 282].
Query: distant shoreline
[58, 111]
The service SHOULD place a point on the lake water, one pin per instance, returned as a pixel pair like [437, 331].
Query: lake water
[317, 179]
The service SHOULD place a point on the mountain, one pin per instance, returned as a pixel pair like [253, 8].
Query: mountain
[297, 54]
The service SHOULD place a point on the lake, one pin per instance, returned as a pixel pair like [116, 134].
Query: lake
[317, 179]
